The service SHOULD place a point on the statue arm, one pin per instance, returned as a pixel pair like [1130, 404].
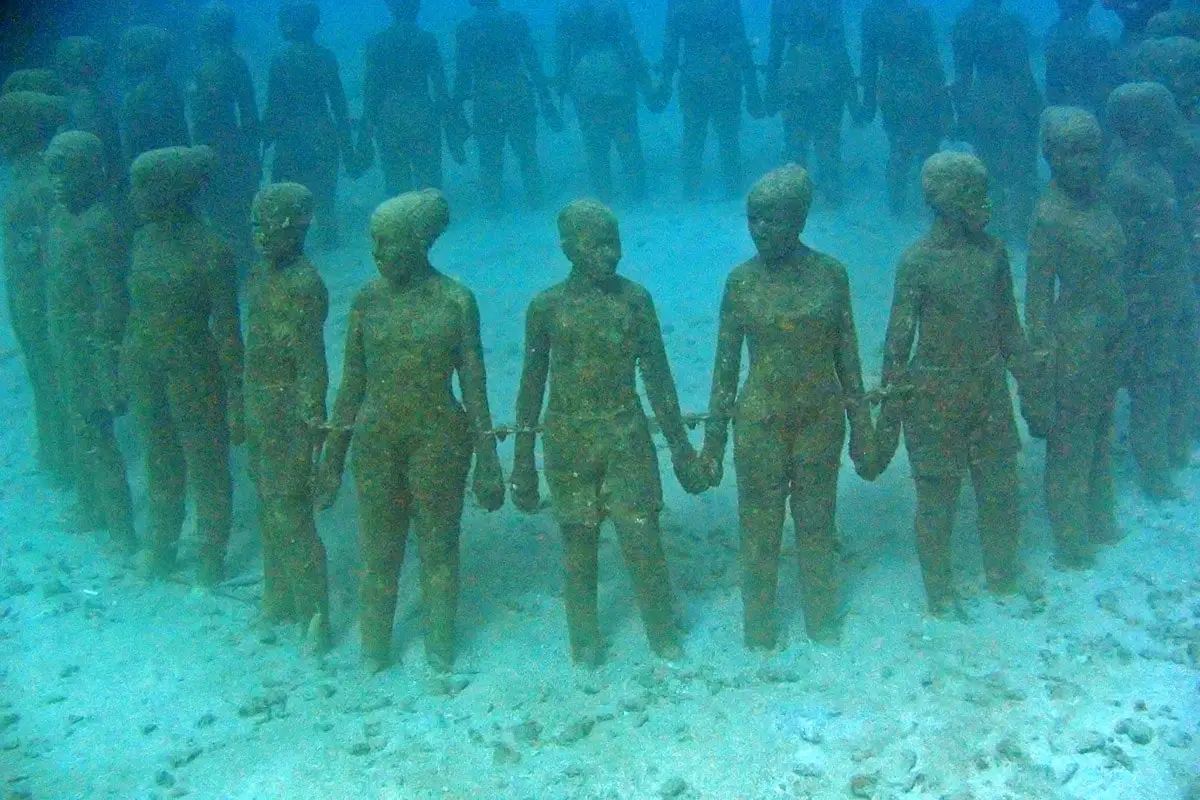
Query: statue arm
[849, 371]
[727, 368]
[464, 58]
[247, 104]
[312, 371]
[472, 378]
[1044, 254]
[659, 382]
[227, 329]
[105, 272]
[1013, 345]
[534, 372]
[869, 73]
[338, 105]
[350, 395]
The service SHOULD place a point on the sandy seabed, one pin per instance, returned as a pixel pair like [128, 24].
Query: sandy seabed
[1085, 685]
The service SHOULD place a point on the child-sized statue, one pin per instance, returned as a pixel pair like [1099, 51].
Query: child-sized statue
[152, 113]
[1075, 310]
[42, 81]
[28, 121]
[1157, 284]
[182, 363]
[306, 117]
[80, 61]
[790, 306]
[87, 260]
[286, 380]
[225, 117]
[591, 334]
[409, 334]
[954, 297]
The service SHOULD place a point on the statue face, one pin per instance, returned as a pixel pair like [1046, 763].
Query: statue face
[775, 231]
[595, 251]
[1077, 165]
[397, 254]
[75, 185]
[278, 242]
[969, 207]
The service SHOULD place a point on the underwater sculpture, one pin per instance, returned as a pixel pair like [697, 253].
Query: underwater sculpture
[902, 78]
[1081, 66]
[1075, 312]
[306, 118]
[705, 44]
[810, 82]
[225, 118]
[285, 385]
[152, 112]
[405, 105]
[599, 63]
[42, 81]
[998, 102]
[413, 440]
[80, 61]
[954, 298]
[500, 72]
[28, 121]
[87, 258]
[1135, 15]
[790, 305]
[1157, 284]
[589, 336]
[182, 362]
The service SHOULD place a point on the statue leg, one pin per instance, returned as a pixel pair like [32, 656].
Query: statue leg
[1102, 502]
[827, 144]
[426, 154]
[166, 469]
[522, 135]
[814, 502]
[727, 121]
[106, 473]
[396, 160]
[28, 315]
[597, 130]
[796, 140]
[995, 480]
[695, 113]
[491, 166]
[628, 140]
[1070, 452]
[277, 601]
[761, 462]
[937, 501]
[581, 544]
[1149, 426]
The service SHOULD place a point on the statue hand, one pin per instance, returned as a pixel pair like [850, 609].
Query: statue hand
[886, 441]
[713, 465]
[691, 472]
[488, 483]
[524, 480]
[237, 421]
[329, 483]
[862, 452]
[658, 98]
[550, 113]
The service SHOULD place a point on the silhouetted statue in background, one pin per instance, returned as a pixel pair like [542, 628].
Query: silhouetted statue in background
[1174, 22]
[1135, 14]
[705, 44]
[225, 117]
[285, 386]
[954, 299]
[409, 334]
[86, 303]
[499, 71]
[811, 83]
[182, 361]
[152, 111]
[590, 335]
[1081, 66]
[1075, 311]
[1157, 284]
[28, 121]
[902, 77]
[41, 81]
[306, 118]
[790, 307]
[600, 65]
[80, 62]
[998, 103]
[405, 103]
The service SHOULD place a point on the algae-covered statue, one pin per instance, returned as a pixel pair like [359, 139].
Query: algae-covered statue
[42, 81]
[152, 111]
[285, 385]
[182, 361]
[86, 303]
[1157, 284]
[409, 334]
[790, 306]
[80, 61]
[1075, 311]
[1081, 64]
[954, 298]
[28, 121]
[590, 335]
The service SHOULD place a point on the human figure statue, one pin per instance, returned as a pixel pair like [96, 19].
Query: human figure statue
[1174, 22]
[499, 71]
[599, 63]
[152, 111]
[790, 307]
[1159, 289]
[306, 118]
[405, 102]
[225, 117]
[1075, 311]
[902, 76]
[182, 361]
[589, 336]
[954, 298]
[998, 104]
[28, 121]
[86, 305]
[285, 386]
[1081, 66]
[1135, 15]
[811, 83]
[80, 61]
[705, 44]
[413, 439]
[42, 81]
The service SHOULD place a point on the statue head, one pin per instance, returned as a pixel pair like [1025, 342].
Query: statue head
[42, 81]
[1175, 22]
[80, 60]
[403, 231]
[146, 49]
[298, 21]
[280, 218]
[777, 211]
[217, 25]
[1074, 9]
[28, 121]
[1144, 114]
[75, 161]
[956, 188]
[591, 239]
[404, 10]
[1174, 62]
[167, 182]
[1073, 146]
